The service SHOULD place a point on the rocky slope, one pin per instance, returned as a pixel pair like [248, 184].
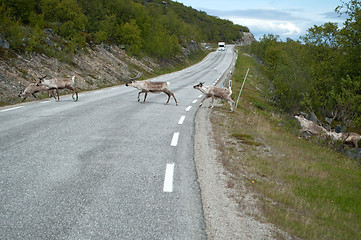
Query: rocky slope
[247, 39]
[99, 66]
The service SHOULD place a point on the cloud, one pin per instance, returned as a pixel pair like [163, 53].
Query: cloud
[265, 14]
[333, 16]
[285, 23]
[259, 27]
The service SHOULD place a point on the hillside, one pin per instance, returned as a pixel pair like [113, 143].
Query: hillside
[102, 43]
[98, 67]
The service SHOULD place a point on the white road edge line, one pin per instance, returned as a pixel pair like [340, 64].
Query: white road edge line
[168, 178]
[181, 120]
[46, 101]
[9, 109]
[174, 142]
[188, 108]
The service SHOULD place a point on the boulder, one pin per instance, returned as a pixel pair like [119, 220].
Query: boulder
[313, 118]
[247, 38]
[4, 44]
[339, 129]
[354, 153]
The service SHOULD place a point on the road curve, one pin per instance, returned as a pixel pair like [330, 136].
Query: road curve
[105, 167]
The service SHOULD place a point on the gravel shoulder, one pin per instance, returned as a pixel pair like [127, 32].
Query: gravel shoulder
[225, 218]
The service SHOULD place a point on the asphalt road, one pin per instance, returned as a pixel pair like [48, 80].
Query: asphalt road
[105, 167]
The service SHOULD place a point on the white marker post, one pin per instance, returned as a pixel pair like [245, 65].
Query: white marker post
[242, 87]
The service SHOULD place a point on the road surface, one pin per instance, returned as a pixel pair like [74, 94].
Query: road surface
[107, 166]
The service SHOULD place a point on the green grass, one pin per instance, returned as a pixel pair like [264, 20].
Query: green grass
[306, 189]
[245, 139]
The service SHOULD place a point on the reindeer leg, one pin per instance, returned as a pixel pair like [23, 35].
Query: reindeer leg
[57, 91]
[139, 96]
[212, 106]
[77, 97]
[231, 103]
[74, 93]
[176, 102]
[168, 98]
[203, 100]
[51, 94]
[145, 96]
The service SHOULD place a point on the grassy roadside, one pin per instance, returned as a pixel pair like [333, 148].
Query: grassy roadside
[305, 189]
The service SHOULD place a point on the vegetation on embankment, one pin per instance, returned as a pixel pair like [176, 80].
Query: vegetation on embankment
[155, 28]
[303, 187]
[319, 74]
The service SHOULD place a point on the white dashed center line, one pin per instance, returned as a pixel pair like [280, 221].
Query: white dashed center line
[188, 108]
[168, 179]
[181, 120]
[174, 142]
[194, 101]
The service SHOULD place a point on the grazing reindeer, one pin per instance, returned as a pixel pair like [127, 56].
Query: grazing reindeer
[34, 88]
[309, 126]
[216, 92]
[313, 128]
[153, 87]
[60, 83]
[352, 138]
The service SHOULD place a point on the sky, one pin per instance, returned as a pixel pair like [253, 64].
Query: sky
[286, 18]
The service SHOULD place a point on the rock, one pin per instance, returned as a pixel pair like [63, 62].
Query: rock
[247, 39]
[313, 118]
[339, 129]
[328, 120]
[354, 153]
[49, 32]
[49, 42]
[4, 44]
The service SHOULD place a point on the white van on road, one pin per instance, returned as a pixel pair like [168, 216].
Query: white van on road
[221, 46]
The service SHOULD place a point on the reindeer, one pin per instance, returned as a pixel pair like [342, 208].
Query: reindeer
[313, 128]
[153, 87]
[216, 92]
[60, 83]
[34, 88]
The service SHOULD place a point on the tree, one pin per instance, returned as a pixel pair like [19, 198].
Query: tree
[20, 9]
[10, 28]
[325, 35]
[350, 35]
[129, 34]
